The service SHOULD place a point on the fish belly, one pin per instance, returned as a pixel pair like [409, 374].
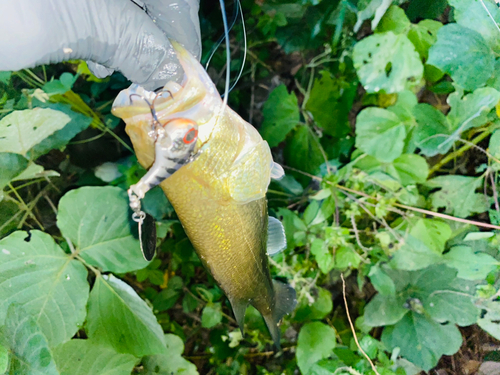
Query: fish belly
[230, 238]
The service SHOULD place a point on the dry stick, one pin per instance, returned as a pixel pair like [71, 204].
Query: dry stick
[352, 327]
[421, 210]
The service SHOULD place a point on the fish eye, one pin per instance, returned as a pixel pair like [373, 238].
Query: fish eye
[190, 136]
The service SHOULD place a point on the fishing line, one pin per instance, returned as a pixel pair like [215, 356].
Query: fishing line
[228, 51]
[238, 11]
[489, 14]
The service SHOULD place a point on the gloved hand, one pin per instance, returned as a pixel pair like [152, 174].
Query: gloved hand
[109, 34]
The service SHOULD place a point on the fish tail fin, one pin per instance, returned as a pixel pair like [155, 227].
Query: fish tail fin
[239, 309]
[286, 300]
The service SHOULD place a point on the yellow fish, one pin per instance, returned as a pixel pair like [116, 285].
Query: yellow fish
[219, 197]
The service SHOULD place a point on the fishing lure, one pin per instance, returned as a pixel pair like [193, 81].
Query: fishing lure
[175, 143]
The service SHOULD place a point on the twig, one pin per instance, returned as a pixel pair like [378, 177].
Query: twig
[356, 234]
[352, 327]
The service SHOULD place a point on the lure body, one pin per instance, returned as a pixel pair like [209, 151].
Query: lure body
[220, 196]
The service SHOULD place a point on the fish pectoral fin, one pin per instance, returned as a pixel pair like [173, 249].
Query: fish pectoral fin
[276, 239]
[239, 309]
[285, 302]
[277, 171]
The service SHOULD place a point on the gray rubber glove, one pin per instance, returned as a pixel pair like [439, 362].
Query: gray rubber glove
[110, 34]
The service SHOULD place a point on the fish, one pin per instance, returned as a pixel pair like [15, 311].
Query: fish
[220, 196]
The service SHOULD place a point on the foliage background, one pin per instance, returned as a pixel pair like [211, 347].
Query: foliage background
[385, 116]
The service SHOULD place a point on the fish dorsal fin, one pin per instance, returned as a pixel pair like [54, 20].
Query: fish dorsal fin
[276, 239]
[277, 171]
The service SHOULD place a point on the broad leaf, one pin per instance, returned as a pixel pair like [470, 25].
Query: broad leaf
[413, 254]
[330, 102]
[421, 340]
[380, 133]
[387, 62]
[410, 169]
[119, 318]
[317, 310]
[464, 55]
[84, 357]
[170, 361]
[432, 233]
[52, 287]
[30, 353]
[60, 138]
[423, 36]
[10, 166]
[303, 152]
[96, 220]
[394, 20]
[211, 315]
[281, 115]
[21, 130]
[470, 265]
[323, 255]
[457, 195]
[471, 14]
[375, 9]
[385, 310]
[432, 131]
[381, 281]
[316, 341]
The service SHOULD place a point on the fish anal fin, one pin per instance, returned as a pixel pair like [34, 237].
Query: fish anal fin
[239, 309]
[285, 302]
[276, 239]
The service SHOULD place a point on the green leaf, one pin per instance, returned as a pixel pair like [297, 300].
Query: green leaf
[346, 257]
[464, 55]
[432, 233]
[426, 9]
[321, 307]
[470, 265]
[302, 152]
[5, 77]
[423, 36]
[413, 254]
[211, 315]
[330, 102]
[387, 62]
[118, 317]
[281, 115]
[381, 281]
[458, 195]
[471, 14]
[489, 323]
[394, 20]
[471, 110]
[375, 9]
[380, 133]
[316, 341]
[60, 138]
[171, 361]
[29, 349]
[10, 166]
[494, 145]
[410, 169]
[21, 130]
[96, 220]
[421, 340]
[34, 171]
[323, 255]
[433, 128]
[385, 310]
[60, 86]
[167, 298]
[37, 274]
[84, 357]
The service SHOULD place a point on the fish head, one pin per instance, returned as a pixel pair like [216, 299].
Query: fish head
[194, 100]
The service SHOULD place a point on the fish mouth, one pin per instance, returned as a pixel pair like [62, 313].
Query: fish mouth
[196, 98]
